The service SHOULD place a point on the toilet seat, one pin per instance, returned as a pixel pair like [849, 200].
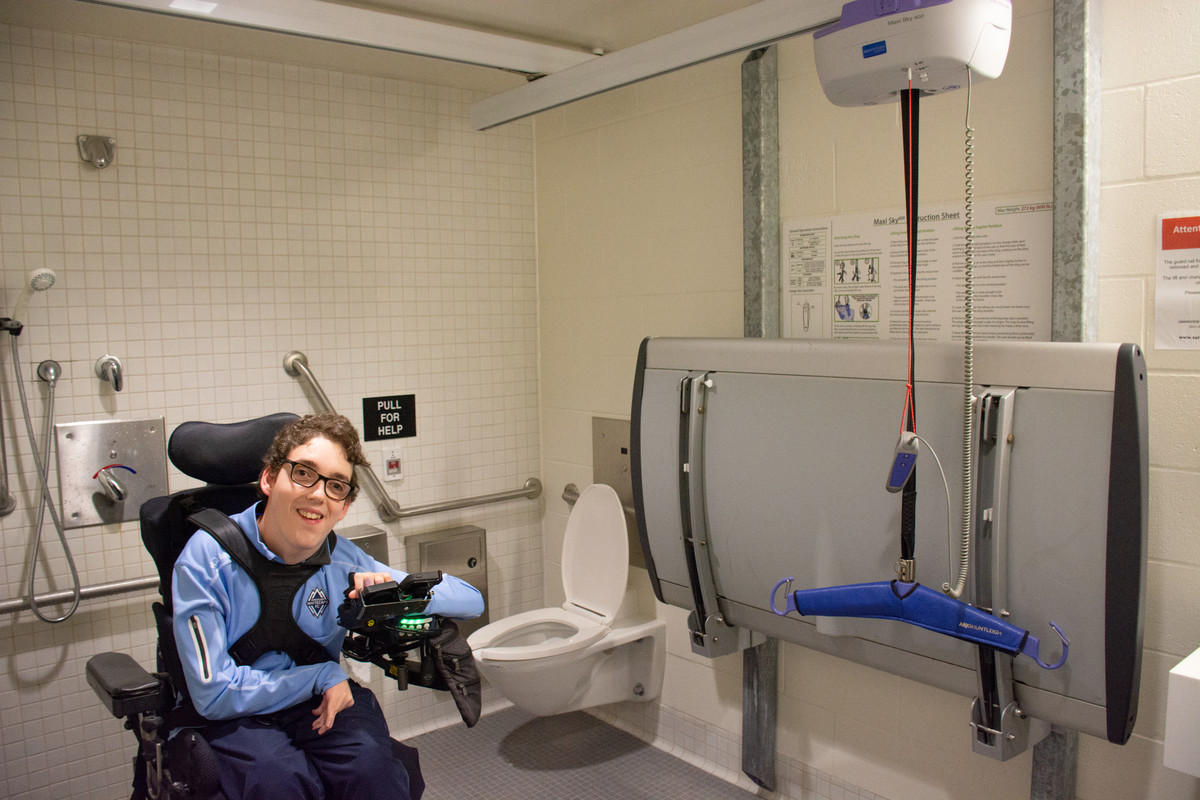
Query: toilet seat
[575, 633]
[595, 568]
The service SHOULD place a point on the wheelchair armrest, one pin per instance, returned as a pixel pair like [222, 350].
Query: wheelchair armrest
[124, 687]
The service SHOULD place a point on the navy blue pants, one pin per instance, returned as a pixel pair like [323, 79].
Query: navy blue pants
[280, 756]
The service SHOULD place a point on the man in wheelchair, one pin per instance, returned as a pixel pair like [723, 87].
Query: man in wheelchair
[258, 631]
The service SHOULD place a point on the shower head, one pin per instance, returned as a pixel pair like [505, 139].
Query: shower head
[41, 279]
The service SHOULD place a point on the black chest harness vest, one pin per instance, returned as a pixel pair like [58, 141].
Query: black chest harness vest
[277, 584]
[446, 657]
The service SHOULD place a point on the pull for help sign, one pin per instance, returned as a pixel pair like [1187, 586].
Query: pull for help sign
[1177, 287]
[392, 417]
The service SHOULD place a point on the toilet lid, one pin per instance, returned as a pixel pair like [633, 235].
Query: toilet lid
[595, 558]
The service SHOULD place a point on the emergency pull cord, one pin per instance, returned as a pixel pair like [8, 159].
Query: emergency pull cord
[968, 419]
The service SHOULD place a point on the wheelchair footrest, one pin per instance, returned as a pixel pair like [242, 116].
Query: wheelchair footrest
[125, 687]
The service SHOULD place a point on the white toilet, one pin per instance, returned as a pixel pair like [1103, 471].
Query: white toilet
[593, 650]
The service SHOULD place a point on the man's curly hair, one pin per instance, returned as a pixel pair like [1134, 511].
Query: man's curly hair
[334, 427]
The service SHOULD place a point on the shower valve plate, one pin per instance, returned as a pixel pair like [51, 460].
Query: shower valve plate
[135, 451]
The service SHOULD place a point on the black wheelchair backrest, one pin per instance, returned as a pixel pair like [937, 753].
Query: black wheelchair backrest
[228, 457]
[225, 454]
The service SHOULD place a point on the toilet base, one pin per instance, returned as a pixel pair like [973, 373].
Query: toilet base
[627, 664]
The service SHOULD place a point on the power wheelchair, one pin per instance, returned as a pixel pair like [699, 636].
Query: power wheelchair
[386, 625]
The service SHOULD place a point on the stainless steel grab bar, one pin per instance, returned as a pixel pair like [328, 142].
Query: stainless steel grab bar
[295, 364]
[571, 494]
[86, 593]
[531, 489]
[8, 503]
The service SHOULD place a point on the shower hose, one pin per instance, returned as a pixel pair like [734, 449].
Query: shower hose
[42, 463]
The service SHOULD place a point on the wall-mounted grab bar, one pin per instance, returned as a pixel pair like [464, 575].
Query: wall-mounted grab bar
[295, 364]
[571, 494]
[8, 503]
[87, 592]
[531, 489]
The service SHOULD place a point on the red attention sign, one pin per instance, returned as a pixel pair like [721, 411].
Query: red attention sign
[1181, 233]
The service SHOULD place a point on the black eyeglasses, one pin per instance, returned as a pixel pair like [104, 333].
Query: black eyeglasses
[335, 488]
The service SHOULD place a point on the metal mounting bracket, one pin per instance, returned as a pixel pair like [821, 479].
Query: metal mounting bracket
[710, 635]
[99, 151]
[999, 729]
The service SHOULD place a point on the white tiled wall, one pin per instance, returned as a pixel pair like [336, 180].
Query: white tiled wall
[639, 234]
[253, 208]
[257, 208]
[1150, 165]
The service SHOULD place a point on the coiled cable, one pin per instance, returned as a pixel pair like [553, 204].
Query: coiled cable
[968, 419]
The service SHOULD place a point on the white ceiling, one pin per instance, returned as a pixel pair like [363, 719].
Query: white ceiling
[586, 24]
[607, 25]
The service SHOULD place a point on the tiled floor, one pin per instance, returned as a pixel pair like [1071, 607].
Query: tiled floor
[512, 755]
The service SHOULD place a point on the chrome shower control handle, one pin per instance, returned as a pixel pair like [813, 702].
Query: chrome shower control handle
[113, 488]
[108, 368]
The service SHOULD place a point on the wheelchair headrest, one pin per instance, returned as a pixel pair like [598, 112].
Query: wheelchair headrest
[225, 454]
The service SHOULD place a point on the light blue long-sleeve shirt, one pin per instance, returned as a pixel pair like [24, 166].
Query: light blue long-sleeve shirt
[216, 602]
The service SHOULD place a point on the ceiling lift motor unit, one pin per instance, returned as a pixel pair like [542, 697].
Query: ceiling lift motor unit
[865, 58]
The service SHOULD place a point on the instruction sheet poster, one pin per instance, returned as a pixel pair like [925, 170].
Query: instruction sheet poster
[846, 277]
[1177, 288]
